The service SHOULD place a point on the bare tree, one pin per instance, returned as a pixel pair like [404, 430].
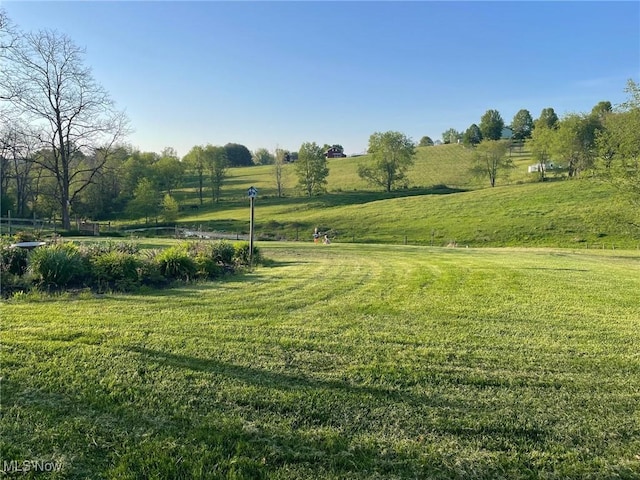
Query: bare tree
[278, 170]
[46, 84]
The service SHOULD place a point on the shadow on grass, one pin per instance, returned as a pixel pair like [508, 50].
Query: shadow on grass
[271, 379]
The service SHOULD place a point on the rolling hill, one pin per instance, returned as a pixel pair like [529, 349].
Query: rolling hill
[443, 205]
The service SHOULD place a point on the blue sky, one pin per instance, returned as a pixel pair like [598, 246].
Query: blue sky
[269, 74]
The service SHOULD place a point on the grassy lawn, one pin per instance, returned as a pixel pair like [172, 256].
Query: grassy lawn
[342, 361]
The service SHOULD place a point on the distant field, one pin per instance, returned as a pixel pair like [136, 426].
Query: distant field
[340, 361]
[442, 165]
[443, 205]
[577, 214]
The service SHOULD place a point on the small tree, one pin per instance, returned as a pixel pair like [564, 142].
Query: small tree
[490, 157]
[170, 209]
[425, 142]
[195, 159]
[217, 164]
[145, 201]
[451, 136]
[472, 136]
[262, 156]
[278, 170]
[392, 154]
[311, 168]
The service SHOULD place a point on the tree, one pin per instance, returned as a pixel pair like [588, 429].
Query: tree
[262, 156]
[170, 208]
[472, 136]
[137, 166]
[491, 125]
[217, 164]
[392, 154]
[145, 202]
[278, 170]
[574, 142]
[195, 159]
[490, 158]
[547, 118]
[46, 83]
[17, 149]
[522, 125]
[425, 142]
[238, 155]
[541, 144]
[601, 110]
[168, 171]
[618, 145]
[103, 199]
[311, 168]
[451, 136]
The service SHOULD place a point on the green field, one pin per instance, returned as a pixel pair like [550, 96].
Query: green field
[341, 361]
[444, 204]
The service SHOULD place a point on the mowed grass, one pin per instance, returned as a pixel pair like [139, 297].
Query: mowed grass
[340, 361]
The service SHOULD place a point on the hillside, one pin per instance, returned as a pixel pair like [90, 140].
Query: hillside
[443, 205]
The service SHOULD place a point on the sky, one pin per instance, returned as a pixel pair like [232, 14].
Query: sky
[277, 74]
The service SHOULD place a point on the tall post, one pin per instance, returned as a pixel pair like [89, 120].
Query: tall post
[252, 193]
[251, 235]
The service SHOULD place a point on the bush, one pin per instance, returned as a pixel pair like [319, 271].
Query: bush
[207, 267]
[149, 272]
[13, 260]
[241, 254]
[58, 265]
[176, 263]
[223, 252]
[117, 270]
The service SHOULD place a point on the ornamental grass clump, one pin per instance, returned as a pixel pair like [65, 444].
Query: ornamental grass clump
[58, 266]
[176, 264]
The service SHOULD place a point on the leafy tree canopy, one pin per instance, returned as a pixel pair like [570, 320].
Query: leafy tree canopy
[238, 155]
[522, 125]
[392, 154]
[491, 125]
[425, 142]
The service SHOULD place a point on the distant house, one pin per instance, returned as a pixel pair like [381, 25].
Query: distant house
[541, 167]
[336, 151]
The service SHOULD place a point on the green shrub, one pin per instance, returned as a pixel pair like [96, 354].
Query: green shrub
[241, 254]
[13, 260]
[149, 272]
[25, 236]
[176, 263]
[11, 284]
[58, 265]
[207, 258]
[117, 270]
[223, 252]
[207, 267]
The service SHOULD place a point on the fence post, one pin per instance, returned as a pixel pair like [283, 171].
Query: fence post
[9, 220]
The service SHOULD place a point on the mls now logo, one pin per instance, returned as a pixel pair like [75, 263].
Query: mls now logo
[17, 466]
